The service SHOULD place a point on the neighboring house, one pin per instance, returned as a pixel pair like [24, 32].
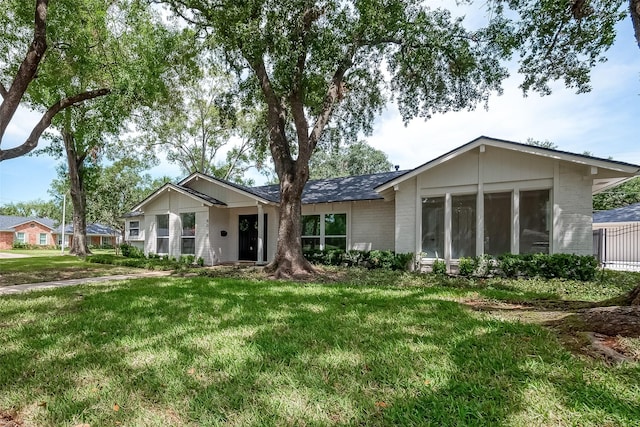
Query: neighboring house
[488, 196]
[97, 235]
[617, 237]
[46, 232]
[28, 230]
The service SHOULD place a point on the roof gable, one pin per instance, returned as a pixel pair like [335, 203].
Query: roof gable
[9, 222]
[201, 197]
[625, 169]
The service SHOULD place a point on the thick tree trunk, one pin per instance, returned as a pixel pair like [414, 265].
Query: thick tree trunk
[634, 296]
[289, 260]
[79, 244]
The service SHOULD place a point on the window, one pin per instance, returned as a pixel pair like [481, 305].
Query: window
[534, 221]
[335, 231]
[188, 245]
[134, 228]
[463, 226]
[325, 231]
[310, 232]
[43, 239]
[433, 227]
[162, 243]
[497, 223]
[20, 237]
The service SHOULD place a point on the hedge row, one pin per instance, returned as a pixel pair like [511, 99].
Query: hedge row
[152, 263]
[563, 266]
[368, 259]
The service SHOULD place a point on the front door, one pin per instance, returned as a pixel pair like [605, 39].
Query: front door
[248, 235]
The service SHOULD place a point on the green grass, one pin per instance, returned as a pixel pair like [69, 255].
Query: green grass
[219, 351]
[16, 271]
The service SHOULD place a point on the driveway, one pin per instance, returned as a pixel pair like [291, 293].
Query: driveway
[9, 255]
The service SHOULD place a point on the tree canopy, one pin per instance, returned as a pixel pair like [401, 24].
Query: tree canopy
[348, 160]
[324, 69]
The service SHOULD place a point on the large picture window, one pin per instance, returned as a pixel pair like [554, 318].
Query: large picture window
[324, 231]
[433, 227]
[535, 212]
[497, 223]
[162, 241]
[188, 245]
[463, 226]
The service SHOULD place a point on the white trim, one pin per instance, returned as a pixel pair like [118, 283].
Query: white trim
[447, 230]
[168, 187]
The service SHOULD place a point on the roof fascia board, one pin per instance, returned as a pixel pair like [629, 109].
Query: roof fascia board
[225, 185]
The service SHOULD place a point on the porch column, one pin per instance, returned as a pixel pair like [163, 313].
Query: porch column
[260, 259]
[447, 230]
[515, 228]
[480, 204]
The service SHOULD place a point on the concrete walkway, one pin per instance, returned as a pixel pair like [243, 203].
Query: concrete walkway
[16, 289]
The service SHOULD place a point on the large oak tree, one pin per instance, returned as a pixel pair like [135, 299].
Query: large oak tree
[326, 68]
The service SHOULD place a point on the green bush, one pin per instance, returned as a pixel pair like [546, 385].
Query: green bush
[560, 266]
[439, 267]
[150, 264]
[466, 267]
[368, 259]
[130, 251]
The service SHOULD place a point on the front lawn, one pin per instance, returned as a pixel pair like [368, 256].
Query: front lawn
[220, 351]
[17, 271]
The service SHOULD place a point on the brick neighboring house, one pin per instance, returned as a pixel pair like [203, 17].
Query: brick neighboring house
[46, 232]
[29, 230]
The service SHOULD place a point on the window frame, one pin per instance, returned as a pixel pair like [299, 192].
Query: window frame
[163, 237]
[187, 237]
[21, 237]
[46, 239]
[322, 237]
[136, 228]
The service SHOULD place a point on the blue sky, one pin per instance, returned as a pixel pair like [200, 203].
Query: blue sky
[604, 122]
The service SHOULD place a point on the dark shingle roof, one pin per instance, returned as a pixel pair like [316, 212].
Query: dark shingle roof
[92, 229]
[344, 189]
[8, 222]
[629, 213]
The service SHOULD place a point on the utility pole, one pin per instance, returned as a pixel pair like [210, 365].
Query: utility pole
[64, 208]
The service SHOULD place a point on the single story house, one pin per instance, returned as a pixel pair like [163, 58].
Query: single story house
[46, 232]
[488, 196]
[616, 234]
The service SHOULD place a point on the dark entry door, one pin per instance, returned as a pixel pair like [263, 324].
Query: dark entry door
[248, 235]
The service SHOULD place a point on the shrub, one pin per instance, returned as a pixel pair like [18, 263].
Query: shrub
[562, 266]
[466, 267]
[439, 267]
[353, 258]
[130, 251]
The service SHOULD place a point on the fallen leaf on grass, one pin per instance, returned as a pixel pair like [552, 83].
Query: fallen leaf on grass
[381, 404]
[116, 407]
[191, 371]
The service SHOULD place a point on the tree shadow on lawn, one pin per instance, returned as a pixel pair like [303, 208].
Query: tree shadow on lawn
[206, 352]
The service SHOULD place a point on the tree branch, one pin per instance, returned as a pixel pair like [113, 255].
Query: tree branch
[3, 91]
[28, 68]
[634, 9]
[334, 94]
[45, 121]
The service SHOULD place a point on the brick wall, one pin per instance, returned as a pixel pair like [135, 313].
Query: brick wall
[32, 232]
[6, 240]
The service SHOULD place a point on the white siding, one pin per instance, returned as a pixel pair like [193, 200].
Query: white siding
[219, 244]
[372, 225]
[405, 227]
[573, 207]
[174, 203]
